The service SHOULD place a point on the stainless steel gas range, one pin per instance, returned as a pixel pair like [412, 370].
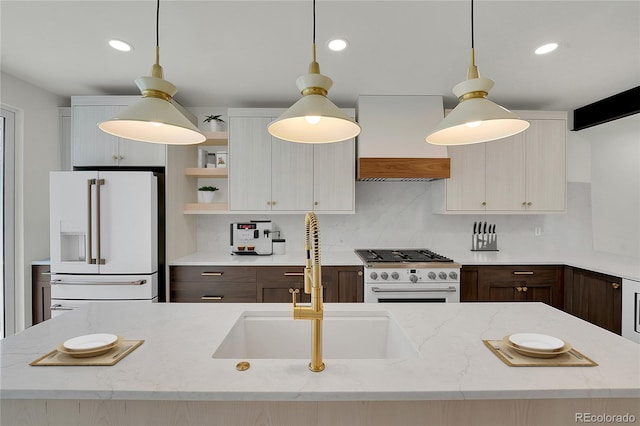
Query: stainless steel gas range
[409, 275]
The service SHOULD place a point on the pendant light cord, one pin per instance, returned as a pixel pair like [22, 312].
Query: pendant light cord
[156, 70]
[472, 41]
[314, 67]
[473, 70]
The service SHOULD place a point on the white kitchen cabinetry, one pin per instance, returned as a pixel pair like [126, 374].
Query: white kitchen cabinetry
[93, 147]
[524, 173]
[271, 175]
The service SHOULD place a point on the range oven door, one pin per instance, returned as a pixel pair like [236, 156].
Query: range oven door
[412, 293]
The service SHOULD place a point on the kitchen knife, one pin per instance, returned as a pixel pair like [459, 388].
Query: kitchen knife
[473, 237]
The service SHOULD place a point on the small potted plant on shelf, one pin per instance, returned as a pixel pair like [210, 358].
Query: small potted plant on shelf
[206, 194]
[215, 122]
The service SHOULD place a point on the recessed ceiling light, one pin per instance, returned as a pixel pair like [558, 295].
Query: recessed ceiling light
[337, 44]
[120, 45]
[546, 48]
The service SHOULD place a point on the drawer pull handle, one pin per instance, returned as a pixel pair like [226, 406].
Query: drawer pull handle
[615, 285]
[211, 297]
[294, 274]
[211, 274]
[523, 273]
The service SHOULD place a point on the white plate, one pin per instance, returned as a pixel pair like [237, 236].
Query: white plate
[90, 342]
[538, 342]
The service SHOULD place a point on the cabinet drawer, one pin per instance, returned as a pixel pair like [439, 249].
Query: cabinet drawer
[228, 292]
[529, 274]
[281, 274]
[215, 274]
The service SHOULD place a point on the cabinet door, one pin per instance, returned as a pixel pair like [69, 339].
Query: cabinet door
[343, 284]
[249, 163]
[136, 153]
[466, 186]
[505, 174]
[274, 284]
[291, 176]
[41, 291]
[521, 283]
[546, 165]
[91, 146]
[334, 176]
[595, 297]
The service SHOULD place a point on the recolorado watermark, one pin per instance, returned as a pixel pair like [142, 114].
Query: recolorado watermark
[604, 418]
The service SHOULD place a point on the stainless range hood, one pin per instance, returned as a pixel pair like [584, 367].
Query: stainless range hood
[391, 146]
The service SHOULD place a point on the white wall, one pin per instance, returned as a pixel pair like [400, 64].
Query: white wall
[615, 177]
[37, 153]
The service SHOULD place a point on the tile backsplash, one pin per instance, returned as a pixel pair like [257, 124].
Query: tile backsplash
[399, 214]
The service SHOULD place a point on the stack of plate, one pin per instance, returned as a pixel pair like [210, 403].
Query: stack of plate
[90, 345]
[537, 345]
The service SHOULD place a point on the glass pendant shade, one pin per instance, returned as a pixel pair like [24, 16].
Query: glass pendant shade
[476, 119]
[154, 118]
[314, 118]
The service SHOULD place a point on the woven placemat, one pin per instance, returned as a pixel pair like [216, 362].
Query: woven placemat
[57, 358]
[509, 356]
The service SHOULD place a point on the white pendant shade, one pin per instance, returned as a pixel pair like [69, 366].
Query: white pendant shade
[476, 119]
[154, 119]
[314, 118]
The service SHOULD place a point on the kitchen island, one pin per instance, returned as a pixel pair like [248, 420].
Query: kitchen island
[454, 379]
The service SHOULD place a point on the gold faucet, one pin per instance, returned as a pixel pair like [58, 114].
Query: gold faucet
[313, 286]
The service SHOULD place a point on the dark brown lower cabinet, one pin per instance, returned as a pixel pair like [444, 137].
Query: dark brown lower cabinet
[513, 283]
[213, 284]
[341, 284]
[594, 297]
[41, 293]
[267, 284]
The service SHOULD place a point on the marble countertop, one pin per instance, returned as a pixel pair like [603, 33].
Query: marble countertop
[175, 362]
[606, 263]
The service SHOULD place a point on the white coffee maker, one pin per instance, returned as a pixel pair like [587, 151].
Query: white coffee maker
[251, 238]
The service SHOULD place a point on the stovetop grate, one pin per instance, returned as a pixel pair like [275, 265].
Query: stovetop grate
[400, 255]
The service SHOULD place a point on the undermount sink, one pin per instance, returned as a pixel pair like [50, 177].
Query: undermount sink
[346, 335]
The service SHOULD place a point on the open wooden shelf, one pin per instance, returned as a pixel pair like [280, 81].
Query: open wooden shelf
[208, 208]
[216, 138]
[216, 172]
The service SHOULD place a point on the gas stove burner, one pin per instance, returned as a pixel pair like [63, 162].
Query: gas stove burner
[400, 255]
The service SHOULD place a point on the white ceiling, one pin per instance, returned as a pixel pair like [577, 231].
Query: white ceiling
[249, 53]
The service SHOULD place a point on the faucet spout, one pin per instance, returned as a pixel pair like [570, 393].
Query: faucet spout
[312, 286]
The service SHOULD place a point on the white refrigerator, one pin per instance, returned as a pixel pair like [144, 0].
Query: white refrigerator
[104, 238]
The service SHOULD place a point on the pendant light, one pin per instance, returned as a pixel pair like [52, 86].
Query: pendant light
[475, 119]
[314, 118]
[154, 118]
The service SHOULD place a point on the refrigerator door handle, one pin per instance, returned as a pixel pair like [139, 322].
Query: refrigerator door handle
[99, 260]
[59, 307]
[135, 282]
[90, 259]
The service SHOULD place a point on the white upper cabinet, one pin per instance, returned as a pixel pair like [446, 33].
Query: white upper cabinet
[524, 173]
[93, 147]
[267, 174]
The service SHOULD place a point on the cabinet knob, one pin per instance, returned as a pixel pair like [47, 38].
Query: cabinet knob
[524, 203]
[615, 285]
[315, 203]
[525, 289]
[360, 273]
[519, 288]
[114, 157]
[273, 203]
[268, 203]
[529, 204]
[484, 203]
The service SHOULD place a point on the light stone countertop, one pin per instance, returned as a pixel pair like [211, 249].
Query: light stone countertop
[606, 263]
[175, 362]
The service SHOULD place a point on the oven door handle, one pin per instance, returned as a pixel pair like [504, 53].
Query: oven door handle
[413, 290]
[136, 282]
